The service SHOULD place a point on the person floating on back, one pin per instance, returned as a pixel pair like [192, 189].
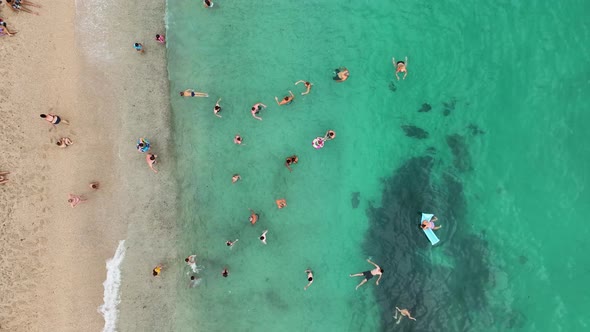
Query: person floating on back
[403, 312]
[53, 119]
[400, 66]
[193, 93]
[161, 39]
[369, 274]
[3, 178]
[430, 224]
[157, 270]
[74, 200]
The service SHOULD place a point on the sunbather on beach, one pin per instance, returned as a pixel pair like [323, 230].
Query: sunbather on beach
[18, 5]
[403, 312]
[400, 66]
[94, 185]
[286, 100]
[263, 237]
[217, 108]
[53, 119]
[64, 142]
[369, 274]
[307, 85]
[193, 93]
[4, 29]
[151, 160]
[309, 278]
[207, 3]
[3, 178]
[75, 200]
[161, 39]
[256, 109]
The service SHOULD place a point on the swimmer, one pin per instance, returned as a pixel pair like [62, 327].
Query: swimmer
[151, 161]
[157, 270]
[307, 85]
[263, 237]
[75, 200]
[286, 100]
[217, 108]
[230, 244]
[309, 278]
[194, 282]
[160, 39]
[400, 66]
[290, 161]
[192, 93]
[330, 135]
[237, 139]
[191, 260]
[341, 74]
[430, 224]
[281, 203]
[225, 272]
[235, 178]
[94, 185]
[3, 178]
[139, 47]
[256, 108]
[64, 142]
[403, 312]
[253, 217]
[369, 274]
[207, 3]
[53, 119]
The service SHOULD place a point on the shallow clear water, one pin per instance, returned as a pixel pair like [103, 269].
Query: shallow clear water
[503, 166]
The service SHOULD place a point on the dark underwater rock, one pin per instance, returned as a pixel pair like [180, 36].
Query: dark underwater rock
[355, 199]
[460, 150]
[415, 132]
[425, 108]
[475, 130]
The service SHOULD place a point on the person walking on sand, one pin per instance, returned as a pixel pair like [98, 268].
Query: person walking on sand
[3, 178]
[377, 271]
[307, 86]
[400, 66]
[143, 145]
[64, 142]
[253, 217]
[217, 108]
[94, 185]
[235, 178]
[53, 119]
[139, 47]
[263, 236]
[17, 5]
[403, 312]
[161, 39]
[193, 93]
[309, 278]
[75, 200]
[151, 161]
[256, 109]
[230, 244]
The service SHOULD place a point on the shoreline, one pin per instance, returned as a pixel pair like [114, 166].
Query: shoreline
[51, 253]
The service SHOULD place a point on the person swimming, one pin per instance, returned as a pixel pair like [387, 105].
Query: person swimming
[235, 178]
[192, 93]
[263, 237]
[237, 139]
[341, 74]
[309, 278]
[230, 244]
[290, 161]
[217, 108]
[286, 100]
[307, 86]
[400, 66]
[369, 274]
[225, 272]
[253, 217]
[207, 3]
[256, 108]
[330, 135]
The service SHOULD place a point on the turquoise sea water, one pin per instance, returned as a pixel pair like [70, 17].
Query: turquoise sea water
[504, 165]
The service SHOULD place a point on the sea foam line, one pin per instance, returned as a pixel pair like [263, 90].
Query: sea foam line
[111, 289]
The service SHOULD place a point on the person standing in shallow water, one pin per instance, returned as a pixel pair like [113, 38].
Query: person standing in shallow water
[151, 161]
[377, 271]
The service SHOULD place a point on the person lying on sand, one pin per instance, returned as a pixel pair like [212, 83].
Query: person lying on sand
[5, 28]
[157, 270]
[53, 119]
[263, 236]
[64, 142]
[75, 200]
[286, 100]
[17, 5]
[3, 178]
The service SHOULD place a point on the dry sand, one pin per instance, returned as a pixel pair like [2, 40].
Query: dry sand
[52, 257]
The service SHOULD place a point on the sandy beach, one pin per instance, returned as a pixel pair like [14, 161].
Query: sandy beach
[52, 257]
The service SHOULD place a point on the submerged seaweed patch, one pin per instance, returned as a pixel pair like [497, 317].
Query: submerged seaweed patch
[415, 132]
[433, 293]
[460, 150]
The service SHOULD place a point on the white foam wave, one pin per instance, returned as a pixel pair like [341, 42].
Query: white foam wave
[111, 289]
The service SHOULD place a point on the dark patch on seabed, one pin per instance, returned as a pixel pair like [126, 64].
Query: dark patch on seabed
[442, 298]
[415, 132]
[460, 150]
[355, 199]
[425, 108]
